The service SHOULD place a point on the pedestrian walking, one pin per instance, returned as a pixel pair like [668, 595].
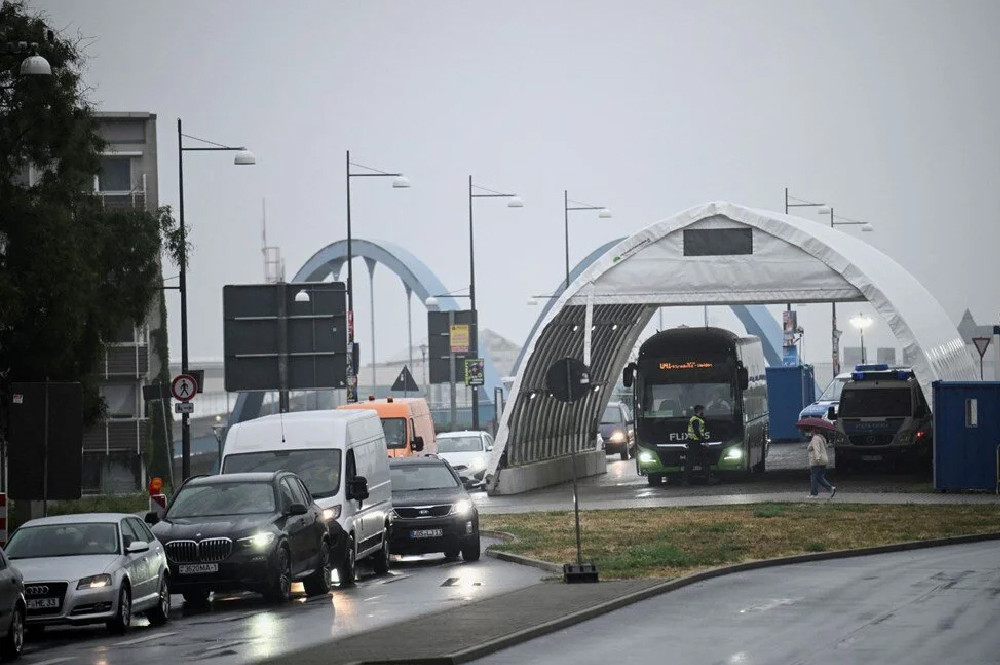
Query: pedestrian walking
[818, 459]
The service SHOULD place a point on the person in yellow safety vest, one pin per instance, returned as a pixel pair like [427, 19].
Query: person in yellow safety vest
[697, 453]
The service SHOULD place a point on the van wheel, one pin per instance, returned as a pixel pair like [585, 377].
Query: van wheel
[623, 453]
[348, 567]
[318, 583]
[380, 560]
[471, 550]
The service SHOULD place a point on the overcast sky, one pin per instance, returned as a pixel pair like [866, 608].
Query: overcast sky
[886, 109]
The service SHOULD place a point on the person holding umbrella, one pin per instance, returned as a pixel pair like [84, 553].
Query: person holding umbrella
[818, 459]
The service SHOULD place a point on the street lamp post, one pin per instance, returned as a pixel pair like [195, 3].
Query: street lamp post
[243, 158]
[833, 306]
[603, 213]
[861, 322]
[513, 201]
[33, 64]
[399, 181]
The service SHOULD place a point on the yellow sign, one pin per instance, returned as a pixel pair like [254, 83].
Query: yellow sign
[460, 338]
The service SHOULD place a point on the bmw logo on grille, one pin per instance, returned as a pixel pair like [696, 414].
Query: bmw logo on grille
[36, 590]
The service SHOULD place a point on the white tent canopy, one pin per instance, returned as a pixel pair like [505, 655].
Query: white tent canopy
[717, 253]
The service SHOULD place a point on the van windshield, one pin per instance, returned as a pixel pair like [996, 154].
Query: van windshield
[875, 403]
[832, 392]
[395, 432]
[318, 468]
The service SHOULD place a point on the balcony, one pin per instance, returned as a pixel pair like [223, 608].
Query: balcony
[126, 360]
[124, 199]
[125, 435]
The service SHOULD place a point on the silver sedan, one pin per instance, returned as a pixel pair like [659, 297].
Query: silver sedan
[91, 568]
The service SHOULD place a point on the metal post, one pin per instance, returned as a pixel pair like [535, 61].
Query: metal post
[352, 395]
[167, 442]
[566, 223]
[864, 360]
[371, 276]
[409, 327]
[182, 287]
[45, 455]
[472, 305]
[451, 360]
[283, 401]
[834, 337]
[574, 440]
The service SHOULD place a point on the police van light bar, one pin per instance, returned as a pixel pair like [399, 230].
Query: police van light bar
[871, 368]
[904, 374]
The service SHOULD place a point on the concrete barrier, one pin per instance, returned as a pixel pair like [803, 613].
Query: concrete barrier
[518, 479]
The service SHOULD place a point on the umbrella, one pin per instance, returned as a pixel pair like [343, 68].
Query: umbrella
[816, 423]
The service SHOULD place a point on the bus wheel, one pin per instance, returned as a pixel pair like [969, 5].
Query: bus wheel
[654, 479]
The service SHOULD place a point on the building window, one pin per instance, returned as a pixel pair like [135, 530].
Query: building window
[122, 399]
[125, 334]
[116, 174]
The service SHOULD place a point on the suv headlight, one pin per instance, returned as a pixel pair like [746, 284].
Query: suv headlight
[258, 541]
[462, 507]
[94, 582]
[904, 437]
[618, 437]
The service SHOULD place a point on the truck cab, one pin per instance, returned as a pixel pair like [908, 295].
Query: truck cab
[883, 420]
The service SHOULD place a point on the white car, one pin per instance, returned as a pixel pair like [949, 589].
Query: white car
[90, 568]
[468, 453]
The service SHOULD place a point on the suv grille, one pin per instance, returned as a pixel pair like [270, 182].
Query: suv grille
[207, 551]
[871, 439]
[423, 512]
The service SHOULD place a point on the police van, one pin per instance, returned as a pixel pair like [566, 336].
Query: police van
[883, 420]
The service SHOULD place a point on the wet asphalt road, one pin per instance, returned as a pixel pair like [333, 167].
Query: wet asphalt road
[243, 628]
[933, 606]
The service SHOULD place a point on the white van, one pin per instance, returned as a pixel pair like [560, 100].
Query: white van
[341, 456]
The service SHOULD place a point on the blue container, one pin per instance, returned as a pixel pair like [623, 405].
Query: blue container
[789, 389]
[966, 435]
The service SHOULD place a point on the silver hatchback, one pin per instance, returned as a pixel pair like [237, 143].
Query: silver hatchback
[91, 568]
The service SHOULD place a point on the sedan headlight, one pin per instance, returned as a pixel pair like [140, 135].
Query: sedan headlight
[646, 457]
[95, 582]
[462, 507]
[258, 541]
[618, 437]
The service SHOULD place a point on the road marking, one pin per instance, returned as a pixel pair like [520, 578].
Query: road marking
[53, 661]
[138, 640]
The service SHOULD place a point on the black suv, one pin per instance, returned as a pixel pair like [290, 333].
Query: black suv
[431, 511]
[244, 532]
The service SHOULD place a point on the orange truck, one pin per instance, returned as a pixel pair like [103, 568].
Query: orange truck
[407, 422]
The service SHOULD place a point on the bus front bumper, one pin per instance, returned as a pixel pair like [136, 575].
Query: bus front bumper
[669, 458]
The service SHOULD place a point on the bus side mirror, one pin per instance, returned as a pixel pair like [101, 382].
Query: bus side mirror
[627, 375]
[831, 413]
[743, 376]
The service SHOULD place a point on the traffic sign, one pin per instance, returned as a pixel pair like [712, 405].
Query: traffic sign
[184, 388]
[184, 407]
[981, 344]
[405, 382]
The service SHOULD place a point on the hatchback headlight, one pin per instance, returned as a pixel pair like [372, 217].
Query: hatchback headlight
[258, 541]
[94, 582]
[462, 507]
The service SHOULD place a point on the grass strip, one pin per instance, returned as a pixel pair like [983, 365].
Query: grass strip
[664, 543]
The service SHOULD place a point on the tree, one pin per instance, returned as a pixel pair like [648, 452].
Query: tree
[72, 274]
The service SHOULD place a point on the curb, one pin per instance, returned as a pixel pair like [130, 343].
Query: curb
[547, 566]
[486, 648]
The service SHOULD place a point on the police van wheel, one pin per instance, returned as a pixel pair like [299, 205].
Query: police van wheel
[654, 479]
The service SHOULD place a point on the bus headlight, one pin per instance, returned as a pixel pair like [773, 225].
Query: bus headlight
[646, 457]
[734, 453]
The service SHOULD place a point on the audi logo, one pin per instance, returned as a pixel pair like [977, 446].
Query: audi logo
[36, 590]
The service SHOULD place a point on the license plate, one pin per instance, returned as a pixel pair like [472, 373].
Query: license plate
[42, 603]
[192, 568]
[871, 458]
[426, 533]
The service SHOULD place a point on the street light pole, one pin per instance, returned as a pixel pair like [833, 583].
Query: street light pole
[399, 182]
[514, 201]
[243, 158]
[603, 213]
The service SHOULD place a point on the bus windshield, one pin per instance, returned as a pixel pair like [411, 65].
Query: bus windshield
[677, 400]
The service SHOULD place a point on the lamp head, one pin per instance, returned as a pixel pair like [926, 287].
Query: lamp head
[431, 303]
[861, 322]
[401, 182]
[302, 296]
[604, 213]
[244, 158]
[867, 228]
[35, 65]
[532, 302]
[515, 202]
[824, 210]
